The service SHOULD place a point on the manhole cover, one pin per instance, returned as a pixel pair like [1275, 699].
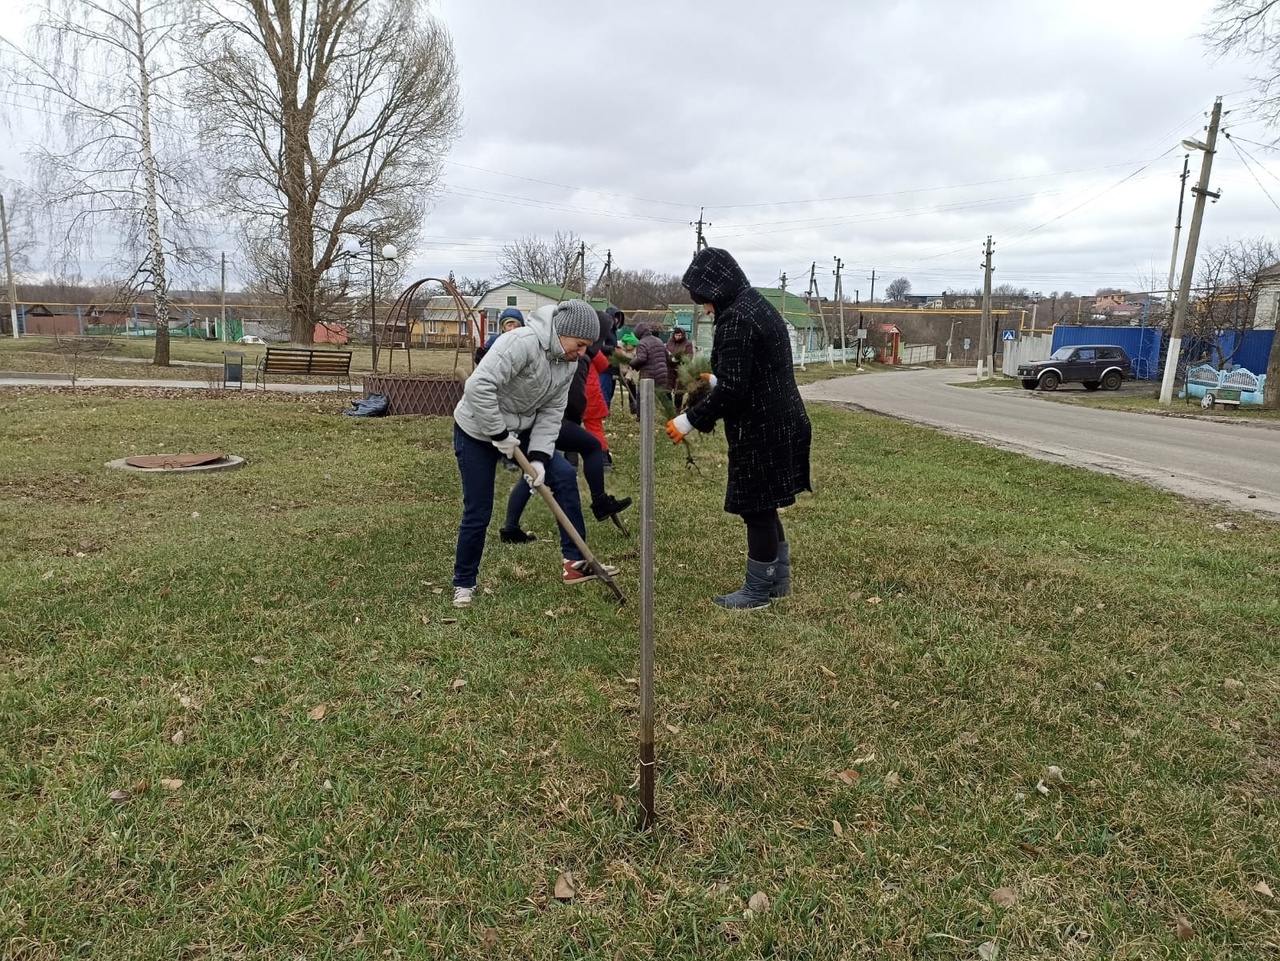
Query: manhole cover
[177, 463]
[172, 461]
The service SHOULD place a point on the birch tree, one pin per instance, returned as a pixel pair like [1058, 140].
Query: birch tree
[113, 173]
[328, 121]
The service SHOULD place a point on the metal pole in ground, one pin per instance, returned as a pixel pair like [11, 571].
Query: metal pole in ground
[647, 763]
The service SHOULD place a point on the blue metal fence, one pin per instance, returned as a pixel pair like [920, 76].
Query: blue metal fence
[1142, 344]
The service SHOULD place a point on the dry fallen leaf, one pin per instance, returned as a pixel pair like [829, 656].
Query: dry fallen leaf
[489, 940]
[425, 619]
[46, 575]
[178, 738]
[1040, 786]
[457, 684]
[565, 889]
[171, 783]
[826, 671]
[258, 659]
[988, 951]
[1004, 897]
[1078, 611]
[120, 796]
[1231, 684]
[1185, 931]
[672, 728]
[437, 590]
[848, 776]
[318, 712]
[327, 785]
[835, 826]
[1264, 889]
[1053, 774]
[873, 600]
[758, 902]
[865, 759]
[892, 779]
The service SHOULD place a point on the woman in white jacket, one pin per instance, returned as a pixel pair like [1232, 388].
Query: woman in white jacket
[516, 398]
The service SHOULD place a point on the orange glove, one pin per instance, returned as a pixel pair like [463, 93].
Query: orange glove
[678, 428]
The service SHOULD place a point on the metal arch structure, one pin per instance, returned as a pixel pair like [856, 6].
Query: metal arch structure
[399, 313]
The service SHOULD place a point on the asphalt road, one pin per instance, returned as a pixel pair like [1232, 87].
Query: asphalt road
[1230, 463]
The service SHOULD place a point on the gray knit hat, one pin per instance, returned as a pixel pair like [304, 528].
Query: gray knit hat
[576, 318]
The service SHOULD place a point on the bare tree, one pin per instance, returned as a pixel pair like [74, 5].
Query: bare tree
[1227, 289]
[639, 289]
[898, 289]
[115, 170]
[537, 260]
[329, 120]
[1251, 29]
[473, 286]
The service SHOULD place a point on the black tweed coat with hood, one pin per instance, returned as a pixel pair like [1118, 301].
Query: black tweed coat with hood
[755, 394]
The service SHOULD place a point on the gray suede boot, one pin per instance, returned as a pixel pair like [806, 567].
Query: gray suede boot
[754, 593]
[782, 577]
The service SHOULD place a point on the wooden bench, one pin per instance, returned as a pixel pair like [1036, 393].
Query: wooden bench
[304, 362]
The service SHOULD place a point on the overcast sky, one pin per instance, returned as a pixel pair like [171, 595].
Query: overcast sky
[894, 134]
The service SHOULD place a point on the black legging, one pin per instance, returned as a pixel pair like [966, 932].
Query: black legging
[764, 531]
[574, 438]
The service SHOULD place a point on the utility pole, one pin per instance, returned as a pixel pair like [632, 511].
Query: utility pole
[986, 352]
[607, 276]
[1177, 228]
[222, 297]
[839, 295]
[582, 267]
[1201, 191]
[8, 270]
[782, 304]
[815, 299]
[872, 298]
[701, 242]
[857, 357]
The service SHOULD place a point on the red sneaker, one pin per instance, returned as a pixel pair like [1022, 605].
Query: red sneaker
[579, 572]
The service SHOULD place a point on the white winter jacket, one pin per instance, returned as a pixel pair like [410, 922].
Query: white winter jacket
[521, 383]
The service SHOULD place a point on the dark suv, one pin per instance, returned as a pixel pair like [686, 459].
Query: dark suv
[1094, 365]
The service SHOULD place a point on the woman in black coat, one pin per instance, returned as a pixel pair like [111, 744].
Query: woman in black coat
[753, 390]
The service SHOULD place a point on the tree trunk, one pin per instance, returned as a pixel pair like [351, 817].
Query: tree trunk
[152, 212]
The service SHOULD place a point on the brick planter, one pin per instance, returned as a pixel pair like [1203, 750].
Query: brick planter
[406, 394]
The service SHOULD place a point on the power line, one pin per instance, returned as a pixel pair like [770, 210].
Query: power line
[1240, 154]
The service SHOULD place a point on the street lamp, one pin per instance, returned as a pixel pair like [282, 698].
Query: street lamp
[389, 253]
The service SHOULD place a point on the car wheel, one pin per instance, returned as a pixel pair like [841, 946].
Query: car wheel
[1050, 381]
[1092, 385]
[1028, 383]
[1111, 380]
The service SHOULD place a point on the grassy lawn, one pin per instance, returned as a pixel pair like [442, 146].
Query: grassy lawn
[278, 639]
[131, 357]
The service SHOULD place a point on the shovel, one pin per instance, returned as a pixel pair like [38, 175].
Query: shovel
[523, 463]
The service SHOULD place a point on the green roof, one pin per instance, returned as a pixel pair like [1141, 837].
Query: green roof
[795, 309]
[550, 291]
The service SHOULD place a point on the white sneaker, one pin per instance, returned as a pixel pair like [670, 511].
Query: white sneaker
[462, 596]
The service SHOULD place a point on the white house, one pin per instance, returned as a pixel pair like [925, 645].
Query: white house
[523, 296]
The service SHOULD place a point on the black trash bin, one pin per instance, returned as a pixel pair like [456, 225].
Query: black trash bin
[233, 369]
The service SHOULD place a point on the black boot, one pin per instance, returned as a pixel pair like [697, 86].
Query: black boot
[513, 535]
[607, 505]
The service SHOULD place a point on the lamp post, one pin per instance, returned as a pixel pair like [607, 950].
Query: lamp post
[388, 252]
[1201, 191]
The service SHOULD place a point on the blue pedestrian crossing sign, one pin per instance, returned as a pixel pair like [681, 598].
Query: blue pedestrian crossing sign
[1008, 335]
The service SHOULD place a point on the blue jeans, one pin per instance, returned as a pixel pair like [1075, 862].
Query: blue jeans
[607, 384]
[574, 438]
[478, 466]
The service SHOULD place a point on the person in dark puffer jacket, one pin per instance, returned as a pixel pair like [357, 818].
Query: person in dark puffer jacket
[753, 390]
[650, 358]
